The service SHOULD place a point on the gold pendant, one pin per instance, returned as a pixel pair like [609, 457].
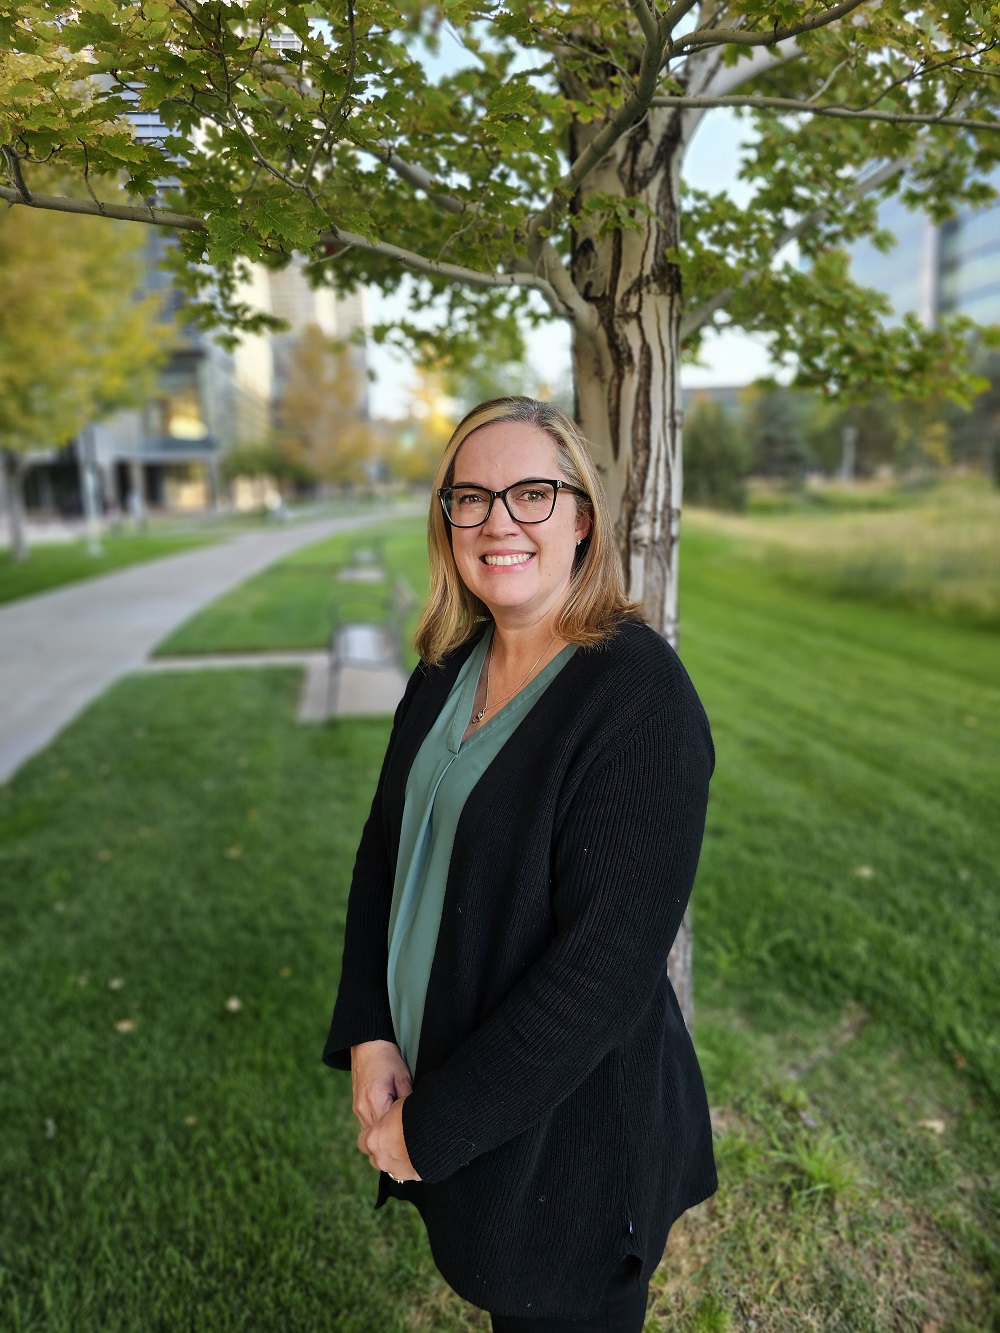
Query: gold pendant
[480, 716]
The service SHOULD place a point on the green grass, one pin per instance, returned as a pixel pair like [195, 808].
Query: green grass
[51, 566]
[199, 1172]
[288, 606]
[934, 549]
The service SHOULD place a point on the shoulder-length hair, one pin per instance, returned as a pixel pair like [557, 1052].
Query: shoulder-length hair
[596, 601]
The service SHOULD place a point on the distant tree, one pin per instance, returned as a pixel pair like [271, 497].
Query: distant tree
[419, 441]
[885, 433]
[976, 432]
[716, 457]
[322, 425]
[265, 458]
[75, 342]
[779, 423]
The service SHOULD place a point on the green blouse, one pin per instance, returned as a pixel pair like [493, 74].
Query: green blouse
[443, 774]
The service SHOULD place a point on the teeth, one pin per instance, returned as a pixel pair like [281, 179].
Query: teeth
[507, 559]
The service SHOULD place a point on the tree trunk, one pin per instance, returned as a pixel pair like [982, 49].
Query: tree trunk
[12, 463]
[90, 488]
[628, 383]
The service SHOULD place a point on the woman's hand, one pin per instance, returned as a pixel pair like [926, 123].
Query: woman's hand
[379, 1077]
[385, 1147]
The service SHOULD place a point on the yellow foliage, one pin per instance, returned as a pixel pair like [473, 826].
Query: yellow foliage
[75, 343]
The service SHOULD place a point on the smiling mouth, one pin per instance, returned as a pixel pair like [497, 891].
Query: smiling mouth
[521, 558]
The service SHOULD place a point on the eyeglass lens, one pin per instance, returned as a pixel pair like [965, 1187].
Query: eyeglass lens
[527, 502]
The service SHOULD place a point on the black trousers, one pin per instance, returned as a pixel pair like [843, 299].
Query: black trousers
[622, 1310]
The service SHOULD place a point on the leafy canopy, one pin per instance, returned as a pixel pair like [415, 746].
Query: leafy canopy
[455, 141]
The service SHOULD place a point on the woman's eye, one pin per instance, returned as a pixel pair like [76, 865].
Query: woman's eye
[531, 496]
[470, 498]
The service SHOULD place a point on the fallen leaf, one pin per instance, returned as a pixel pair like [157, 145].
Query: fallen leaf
[58, 905]
[125, 1025]
[234, 1004]
[959, 1060]
[190, 1120]
[284, 972]
[864, 872]
[116, 983]
[50, 1127]
[935, 1126]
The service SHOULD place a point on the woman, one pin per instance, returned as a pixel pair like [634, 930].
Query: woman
[520, 1066]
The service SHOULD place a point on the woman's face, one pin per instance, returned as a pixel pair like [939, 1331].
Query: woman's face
[520, 570]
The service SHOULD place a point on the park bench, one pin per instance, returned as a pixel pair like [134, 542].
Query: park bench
[366, 625]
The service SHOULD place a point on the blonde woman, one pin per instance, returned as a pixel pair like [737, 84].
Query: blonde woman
[521, 1070]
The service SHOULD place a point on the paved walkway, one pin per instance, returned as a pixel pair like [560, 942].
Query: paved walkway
[60, 650]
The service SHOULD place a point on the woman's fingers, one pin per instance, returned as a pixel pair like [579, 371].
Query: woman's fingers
[384, 1146]
[371, 1109]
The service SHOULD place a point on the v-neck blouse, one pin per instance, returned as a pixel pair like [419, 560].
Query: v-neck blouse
[444, 772]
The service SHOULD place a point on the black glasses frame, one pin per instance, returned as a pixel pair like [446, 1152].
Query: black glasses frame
[445, 491]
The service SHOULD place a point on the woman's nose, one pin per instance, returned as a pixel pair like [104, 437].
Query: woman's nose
[499, 520]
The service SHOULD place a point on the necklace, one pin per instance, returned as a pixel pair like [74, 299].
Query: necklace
[478, 717]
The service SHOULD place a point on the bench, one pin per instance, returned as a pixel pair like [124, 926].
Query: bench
[366, 629]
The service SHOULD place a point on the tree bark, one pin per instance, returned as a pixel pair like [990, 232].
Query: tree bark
[628, 385]
[12, 464]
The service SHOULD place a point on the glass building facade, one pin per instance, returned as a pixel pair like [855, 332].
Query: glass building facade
[934, 270]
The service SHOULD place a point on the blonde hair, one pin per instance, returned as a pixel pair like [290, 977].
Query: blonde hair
[596, 601]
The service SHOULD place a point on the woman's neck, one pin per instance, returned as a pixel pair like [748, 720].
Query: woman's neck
[517, 647]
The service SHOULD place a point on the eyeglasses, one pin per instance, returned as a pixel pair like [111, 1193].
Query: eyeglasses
[528, 501]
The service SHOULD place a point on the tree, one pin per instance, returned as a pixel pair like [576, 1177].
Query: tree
[323, 433]
[976, 433]
[778, 424]
[420, 441]
[74, 343]
[716, 458]
[539, 175]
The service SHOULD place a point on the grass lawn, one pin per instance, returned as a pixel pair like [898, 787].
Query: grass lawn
[288, 606]
[173, 1163]
[934, 549]
[50, 565]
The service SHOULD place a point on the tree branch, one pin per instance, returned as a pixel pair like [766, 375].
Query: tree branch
[159, 217]
[628, 114]
[840, 112]
[699, 317]
[13, 163]
[677, 11]
[703, 37]
[420, 178]
[724, 79]
[452, 272]
[340, 114]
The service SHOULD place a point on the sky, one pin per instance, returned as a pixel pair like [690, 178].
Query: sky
[711, 163]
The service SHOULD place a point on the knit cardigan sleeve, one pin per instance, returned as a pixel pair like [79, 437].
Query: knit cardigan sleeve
[624, 861]
[362, 1012]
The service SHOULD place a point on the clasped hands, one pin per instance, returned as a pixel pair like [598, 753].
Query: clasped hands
[380, 1083]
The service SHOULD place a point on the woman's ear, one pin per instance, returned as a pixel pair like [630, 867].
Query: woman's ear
[583, 525]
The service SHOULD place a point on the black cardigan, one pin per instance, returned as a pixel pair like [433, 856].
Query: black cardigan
[559, 1120]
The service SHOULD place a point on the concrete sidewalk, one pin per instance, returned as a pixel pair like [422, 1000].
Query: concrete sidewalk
[60, 650]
